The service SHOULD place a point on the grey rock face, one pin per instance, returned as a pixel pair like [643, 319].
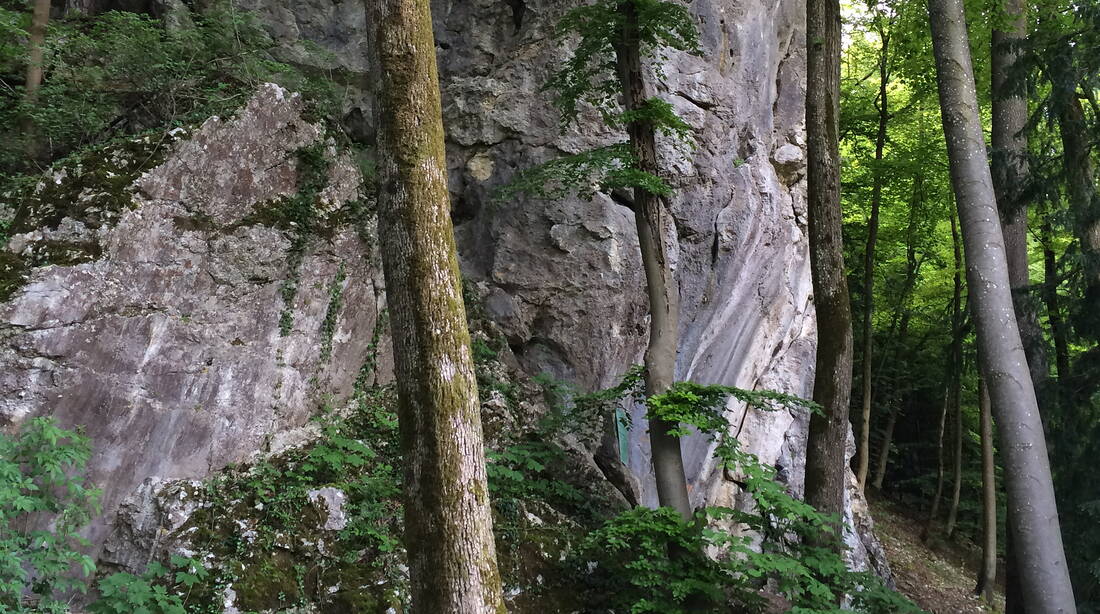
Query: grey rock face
[123, 341]
[177, 344]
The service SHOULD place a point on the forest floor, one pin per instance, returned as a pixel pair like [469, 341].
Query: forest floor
[938, 576]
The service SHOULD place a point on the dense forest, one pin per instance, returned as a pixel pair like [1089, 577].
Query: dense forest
[536, 306]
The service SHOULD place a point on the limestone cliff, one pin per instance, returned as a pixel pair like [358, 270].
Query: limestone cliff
[169, 296]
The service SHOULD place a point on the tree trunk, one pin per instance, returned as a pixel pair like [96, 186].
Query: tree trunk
[39, 19]
[664, 295]
[1084, 201]
[884, 453]
[33, 81]
[1044, 576]
[448, 521]
[987, 576]
[869, 263]
[828, 433]
[1051, 281]
[1011, 174]
[953, 511]
[956, 376]
[940, 473]
[900, 321]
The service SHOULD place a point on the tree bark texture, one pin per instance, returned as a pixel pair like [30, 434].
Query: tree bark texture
[825, 462]
[448, 522]
[651, 215]
[1011, 175]
[869, 263]
[987, 575]
[1037, 539]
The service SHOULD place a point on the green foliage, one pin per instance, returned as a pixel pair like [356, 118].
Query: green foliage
[589, 74]
[589, 77]
[157, 591]
[41, 477]
[652, 561]
[298, 215]
[521, 472]
[600, 170]
[121, 72]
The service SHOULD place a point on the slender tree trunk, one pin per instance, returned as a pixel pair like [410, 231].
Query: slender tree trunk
[448, 521]
[664, 295]
[956, 395]
[1011, 174]
[33, 81]
[884, 453]
[869, 262]
[1044, 576]
[956, 376]
[987, 576]
[900, 321]
[940, 473]
[39, 19]
[1050, 297]
[825, 462]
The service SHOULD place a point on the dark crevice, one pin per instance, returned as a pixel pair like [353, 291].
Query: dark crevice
[519, 8]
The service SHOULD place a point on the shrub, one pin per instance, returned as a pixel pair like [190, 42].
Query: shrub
[41, 479]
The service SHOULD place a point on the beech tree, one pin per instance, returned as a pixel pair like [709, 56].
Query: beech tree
[448, 522]
[607, 70]
[825, 466]
[1035, 528]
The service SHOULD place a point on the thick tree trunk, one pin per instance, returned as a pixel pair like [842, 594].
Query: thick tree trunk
[1044, 576]
[448, 521]
[825, 463]
[864, 453]
[1051, 281]
[987, 575]
[664, 295]
[1011, 174]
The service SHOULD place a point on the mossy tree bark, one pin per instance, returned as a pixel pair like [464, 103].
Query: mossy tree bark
[1036, 536]
[651, 217]
[448, 523]
[882, 103]
[828, 434]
